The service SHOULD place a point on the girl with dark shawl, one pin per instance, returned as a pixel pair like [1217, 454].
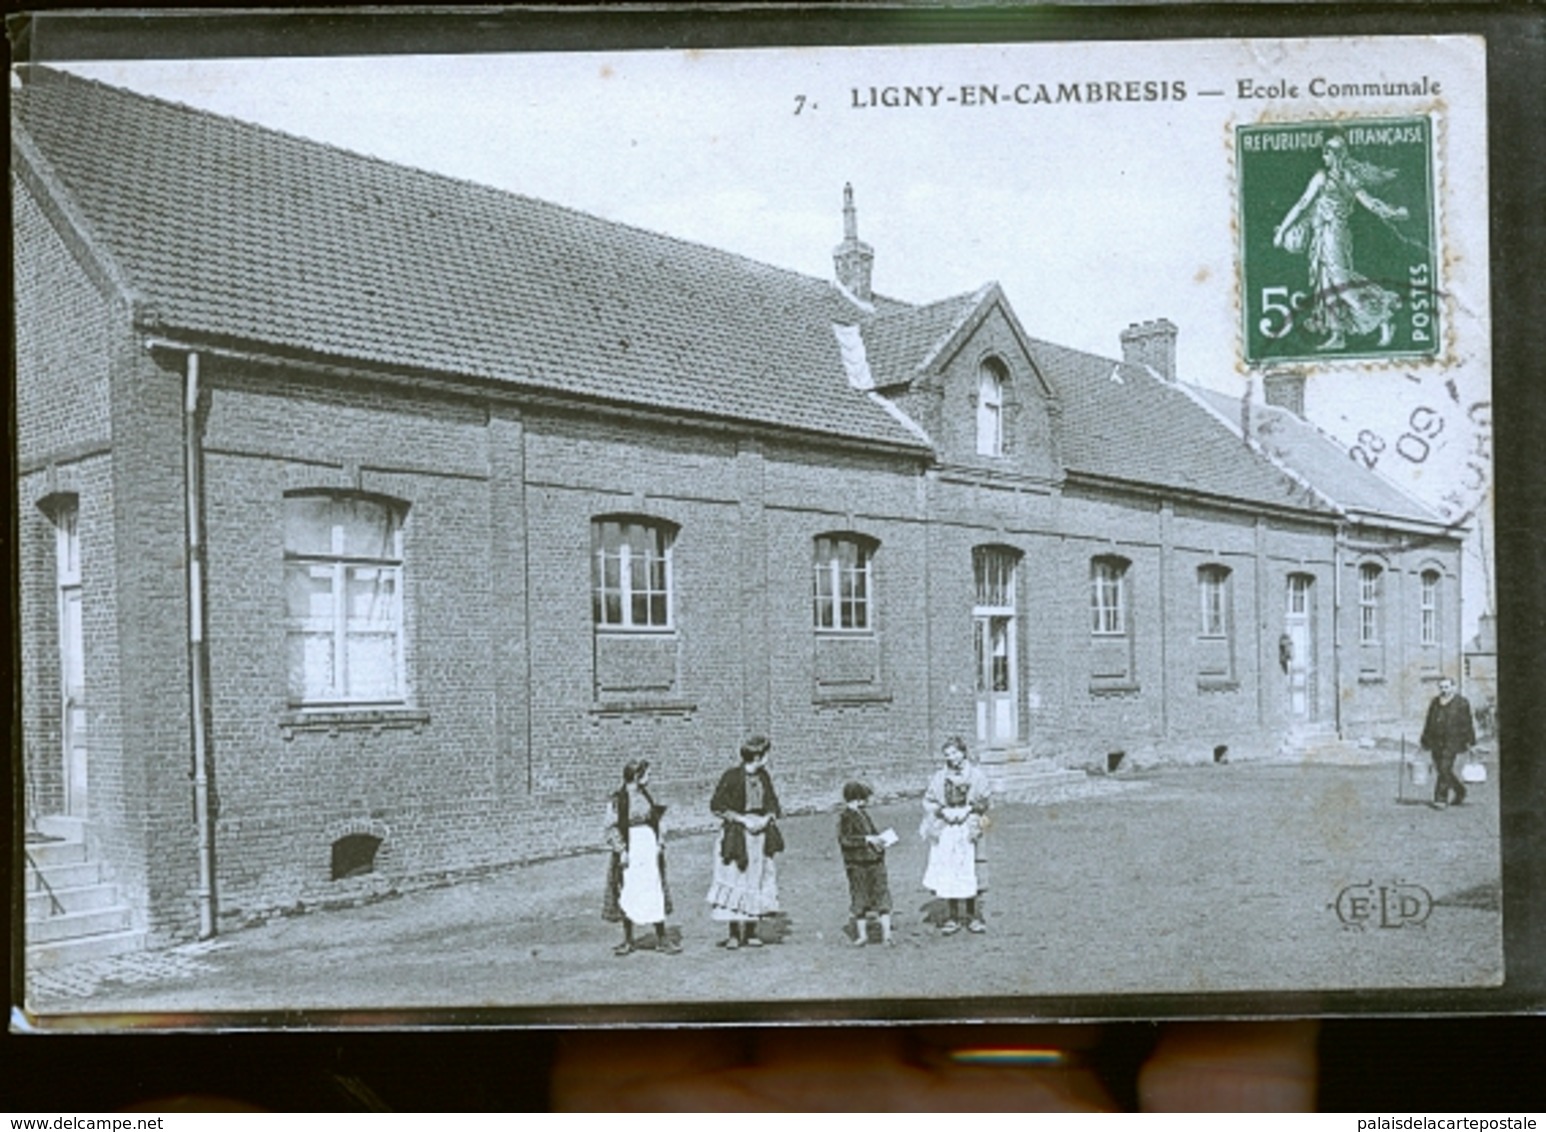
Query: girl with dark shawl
[636, 875]
[745, 884]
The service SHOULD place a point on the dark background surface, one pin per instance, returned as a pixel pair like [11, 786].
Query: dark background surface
[1367, 1065]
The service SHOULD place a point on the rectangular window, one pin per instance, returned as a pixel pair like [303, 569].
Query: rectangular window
[633, 580]
[1430, 608]
[1113, 656]
[343, 586]
[1213, 591]
[1368, 605]
[1108, 597]
[842, 588]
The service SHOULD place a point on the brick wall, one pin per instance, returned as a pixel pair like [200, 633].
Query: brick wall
[63, 327]
[512, 730]
[71, 337]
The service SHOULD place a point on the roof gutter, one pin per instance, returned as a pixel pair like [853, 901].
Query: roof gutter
[1225, 502]
[525, 395]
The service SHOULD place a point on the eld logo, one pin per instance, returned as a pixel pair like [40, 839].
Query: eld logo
[1398, 905]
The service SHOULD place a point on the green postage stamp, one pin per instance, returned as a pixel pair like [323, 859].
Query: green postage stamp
[1339, 241]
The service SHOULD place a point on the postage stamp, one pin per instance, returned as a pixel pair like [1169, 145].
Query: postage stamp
[637, 533]
[1339, 242]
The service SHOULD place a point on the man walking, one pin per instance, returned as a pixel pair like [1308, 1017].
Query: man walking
[1448, 732]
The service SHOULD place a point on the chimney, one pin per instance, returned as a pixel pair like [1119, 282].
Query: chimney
[1285, 390]
[1151, 344]
[853, 258]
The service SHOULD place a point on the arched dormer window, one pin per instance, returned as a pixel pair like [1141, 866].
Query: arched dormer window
[991, 379]
[632, 573]
[843, 583]
[344, 587]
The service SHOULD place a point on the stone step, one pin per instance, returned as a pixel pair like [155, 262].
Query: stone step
[78, 875]
[60, 826]
[58, 953]
[1326, 747]
[84, 898]
[74, 925]
[1074, 787]
[46, 854]
[1041, 781]
[1038, 772]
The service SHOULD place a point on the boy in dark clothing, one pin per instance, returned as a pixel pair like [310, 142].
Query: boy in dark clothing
[864, 858]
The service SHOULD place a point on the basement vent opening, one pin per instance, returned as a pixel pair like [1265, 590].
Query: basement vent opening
[1114, 761]
[354, 855]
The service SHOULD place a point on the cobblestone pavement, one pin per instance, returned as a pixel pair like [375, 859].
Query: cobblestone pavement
[1221, 878]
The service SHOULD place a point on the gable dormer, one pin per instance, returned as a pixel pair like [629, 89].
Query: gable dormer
[979, 395]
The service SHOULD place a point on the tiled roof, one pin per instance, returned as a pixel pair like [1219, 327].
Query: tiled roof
[899, 343]
[1321, 461]
[248, 236]
[240, 233]
[1122, 422]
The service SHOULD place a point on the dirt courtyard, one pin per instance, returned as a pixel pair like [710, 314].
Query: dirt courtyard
[1244, 877]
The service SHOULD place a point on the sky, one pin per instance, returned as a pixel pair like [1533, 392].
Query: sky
[1090, 215]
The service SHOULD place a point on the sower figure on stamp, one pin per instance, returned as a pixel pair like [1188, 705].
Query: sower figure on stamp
[1448, 733]
[1342, 301]
[636, 874]
[745, 884]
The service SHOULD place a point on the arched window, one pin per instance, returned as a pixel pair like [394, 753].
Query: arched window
[843, 583]
[343, 584]
[1213, 596]
[1108, 596]
[632, 573]
[1370, 587]
[990, 408]
[1429, 608]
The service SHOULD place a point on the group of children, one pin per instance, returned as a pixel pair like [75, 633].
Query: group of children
[955, 817]
[744, 890]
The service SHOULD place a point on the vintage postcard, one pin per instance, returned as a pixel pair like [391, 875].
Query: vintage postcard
[868, 531]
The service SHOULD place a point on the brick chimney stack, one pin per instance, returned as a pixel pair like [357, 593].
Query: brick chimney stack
[1285, 390]
[1151, 344]
[853, 258]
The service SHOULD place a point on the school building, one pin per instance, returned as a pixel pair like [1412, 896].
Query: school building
[370, 520]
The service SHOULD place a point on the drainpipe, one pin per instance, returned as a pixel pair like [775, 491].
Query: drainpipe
[1336, 626]
[193, 458]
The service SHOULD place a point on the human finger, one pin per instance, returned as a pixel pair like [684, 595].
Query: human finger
[1232, 1067]
[638, 1070]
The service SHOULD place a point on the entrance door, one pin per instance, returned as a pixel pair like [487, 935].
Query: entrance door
[1298, 647]
[72, 664]
[993, 634]
[997, 721]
